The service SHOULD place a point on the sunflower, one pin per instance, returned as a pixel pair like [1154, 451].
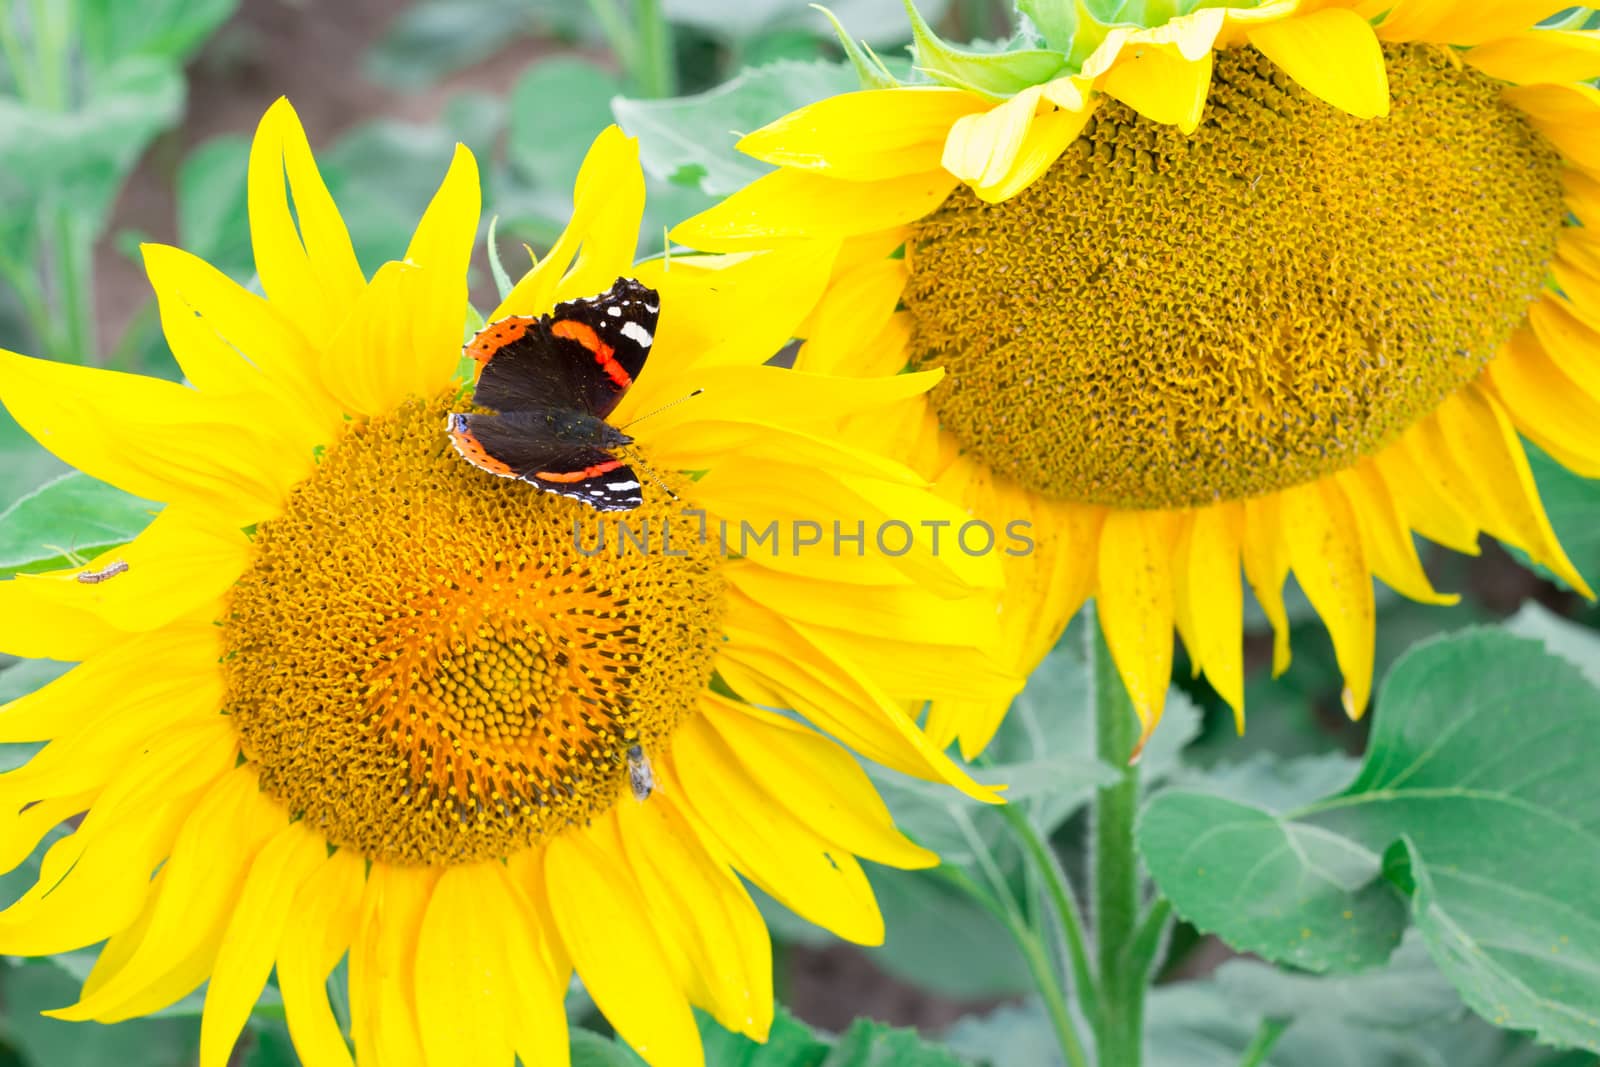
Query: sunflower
[1265, 286]
[350, 696]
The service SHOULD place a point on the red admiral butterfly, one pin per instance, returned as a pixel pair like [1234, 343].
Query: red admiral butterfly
[552, 381]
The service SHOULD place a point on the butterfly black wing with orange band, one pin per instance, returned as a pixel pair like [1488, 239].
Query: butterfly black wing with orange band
[551, 382]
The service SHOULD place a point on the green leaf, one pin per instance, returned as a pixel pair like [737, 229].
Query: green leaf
[438, 37]
[941, 940]
[591, 1050]
[172, 30]
[1478, 819]
[790, 1044]
[384, 173]
[1578, 645]
[32, 987]
[691, 138]
[23, 676]
[24, 465]
[741, 20]
[79, 158]
[271, 1045]
[72, 513]
[558, 107]
[213, 221]
[873, 1044]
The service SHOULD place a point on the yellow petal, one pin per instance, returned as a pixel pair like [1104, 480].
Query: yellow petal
[178, 567]
[773, 848]
[1162, 87]
[1134, 598]
[94, 882]
[981, 147]
[1163, 73]
[1266, 565]
[601, 915]
[812, 402]
[873, 134]
[840, 700]
[909, 612]
[448, 229]
[1583, 197]
[1424, 502]
[890, 515]
[1546, 404]
[152, 438]
[1566, 115]
[1568, 341]
[401, 339]
[719, 311]
[188, 653]
[309, 270]
[1386, 537]
[1540, 56]
[1334, 55]
[789, 766]
[229, 340]
[383, 956]
[1325, 549]
[603, 232]
[1216, 599]
[250, 942]
[858, 304]
[90, 752]
[1450, 22]
[697, 899]
[325, 911]
[1485, 443]
[195, 895]
[466, 1018]
[35, 623]
[22, 830]
[790, 205]
[1046, 138]
[539, 970]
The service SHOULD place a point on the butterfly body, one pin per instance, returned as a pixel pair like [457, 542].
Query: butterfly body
[550, 382]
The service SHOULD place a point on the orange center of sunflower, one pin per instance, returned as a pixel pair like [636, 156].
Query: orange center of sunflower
[1165, 320]
[434, 665]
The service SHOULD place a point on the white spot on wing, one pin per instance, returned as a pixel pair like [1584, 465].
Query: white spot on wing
[614, 311]
[637, 334]
[620, 486]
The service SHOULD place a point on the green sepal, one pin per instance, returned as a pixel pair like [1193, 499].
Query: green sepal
[502, 280]
[869, 68]
[996, 75]
[1055, 21]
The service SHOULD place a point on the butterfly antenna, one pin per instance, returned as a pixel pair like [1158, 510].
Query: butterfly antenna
[663, 407]
[634, 457]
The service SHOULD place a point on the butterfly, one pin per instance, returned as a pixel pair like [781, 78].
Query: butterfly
[551, 381]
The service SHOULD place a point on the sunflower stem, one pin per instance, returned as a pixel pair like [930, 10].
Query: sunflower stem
[1063, 902]
[1034, 954]
[1261, 1046]
[1119, 1024]
[654, 72]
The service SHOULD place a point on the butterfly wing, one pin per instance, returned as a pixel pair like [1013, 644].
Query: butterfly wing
[554, 450]
[583, 355]
[615, 330]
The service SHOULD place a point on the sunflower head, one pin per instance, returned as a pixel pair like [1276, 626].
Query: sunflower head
[350, 695]
[1217, 287]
